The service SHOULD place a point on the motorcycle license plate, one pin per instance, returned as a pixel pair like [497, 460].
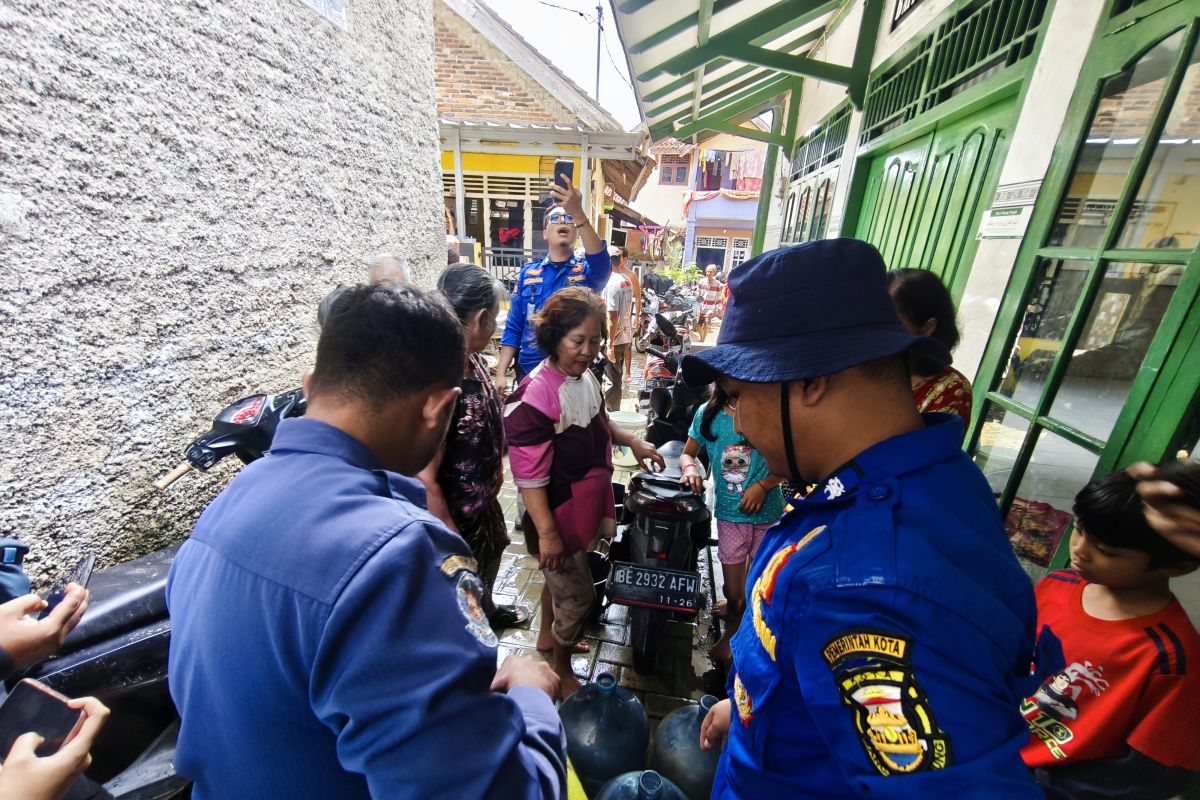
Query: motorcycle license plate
[654, 587]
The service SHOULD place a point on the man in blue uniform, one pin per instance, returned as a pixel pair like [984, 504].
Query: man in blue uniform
[889, 630]
[329, 637]
[538, 280]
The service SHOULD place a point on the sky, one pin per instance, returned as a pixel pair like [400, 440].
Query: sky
[564, 31]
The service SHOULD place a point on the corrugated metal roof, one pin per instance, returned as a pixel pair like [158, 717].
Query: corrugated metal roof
[678, 53]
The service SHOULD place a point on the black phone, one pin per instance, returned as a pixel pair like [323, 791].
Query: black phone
[81, 574]
[34, 707]
[564, 168]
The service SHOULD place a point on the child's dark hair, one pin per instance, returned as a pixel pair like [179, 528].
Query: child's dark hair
[1110, 511]
[714, 406]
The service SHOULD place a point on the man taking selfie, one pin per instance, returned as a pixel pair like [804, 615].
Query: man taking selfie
[538, 280]
[329, 634]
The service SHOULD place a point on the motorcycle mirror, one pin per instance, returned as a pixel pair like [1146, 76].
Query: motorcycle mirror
[666, 327]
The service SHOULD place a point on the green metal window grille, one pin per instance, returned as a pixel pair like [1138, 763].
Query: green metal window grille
[1121, 6]
[824, 146]
[1078, 280]
[974, 42]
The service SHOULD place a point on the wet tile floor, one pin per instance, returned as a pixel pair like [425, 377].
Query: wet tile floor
[684, 672]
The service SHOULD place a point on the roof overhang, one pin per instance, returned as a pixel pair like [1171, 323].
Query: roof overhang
[510, 138]
[710, 65]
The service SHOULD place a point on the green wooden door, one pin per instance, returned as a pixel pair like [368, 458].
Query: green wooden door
[1092, 362]
[925, 198]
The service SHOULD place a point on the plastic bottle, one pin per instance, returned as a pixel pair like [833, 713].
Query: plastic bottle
[648, 785]
[677, 754]
[607, 731]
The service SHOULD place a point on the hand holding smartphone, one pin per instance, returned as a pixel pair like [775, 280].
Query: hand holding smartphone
[35, 708]
[81, 574]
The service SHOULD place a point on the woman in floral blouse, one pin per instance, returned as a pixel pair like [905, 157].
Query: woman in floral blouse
[464, 479]
[925, 308]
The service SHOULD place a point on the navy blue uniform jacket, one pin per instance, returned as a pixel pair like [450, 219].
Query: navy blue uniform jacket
[888, 638]
[328, 643]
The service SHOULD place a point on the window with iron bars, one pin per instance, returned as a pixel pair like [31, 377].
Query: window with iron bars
[971, 44]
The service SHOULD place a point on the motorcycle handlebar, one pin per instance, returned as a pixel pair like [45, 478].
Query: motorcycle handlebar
[654, 351]
[172, 476]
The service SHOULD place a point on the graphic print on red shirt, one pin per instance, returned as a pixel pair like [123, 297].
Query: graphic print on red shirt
[1128, 684]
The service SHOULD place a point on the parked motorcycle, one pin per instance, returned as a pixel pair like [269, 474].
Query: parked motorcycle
[118, 652]
[657, 573]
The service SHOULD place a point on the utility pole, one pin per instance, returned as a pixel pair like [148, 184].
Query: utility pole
[599, 43]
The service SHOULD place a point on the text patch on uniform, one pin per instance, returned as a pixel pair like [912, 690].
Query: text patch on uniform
[894, 722]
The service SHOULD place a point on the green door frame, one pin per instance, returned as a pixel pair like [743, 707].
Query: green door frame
[1151, 422]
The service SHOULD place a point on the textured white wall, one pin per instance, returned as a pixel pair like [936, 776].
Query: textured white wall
[181, 181]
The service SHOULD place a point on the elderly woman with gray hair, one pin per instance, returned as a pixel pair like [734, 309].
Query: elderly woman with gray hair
[463, 481]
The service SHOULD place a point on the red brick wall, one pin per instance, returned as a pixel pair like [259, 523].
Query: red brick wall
[476, 81]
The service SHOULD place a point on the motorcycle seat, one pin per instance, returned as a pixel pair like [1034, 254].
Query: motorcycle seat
[123, 597]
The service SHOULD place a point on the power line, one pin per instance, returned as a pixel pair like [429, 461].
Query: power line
[590, 19]
[613, 60]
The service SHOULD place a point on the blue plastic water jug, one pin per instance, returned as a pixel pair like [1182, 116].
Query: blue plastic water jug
[648, 785]
[677, 754]
[607, 731]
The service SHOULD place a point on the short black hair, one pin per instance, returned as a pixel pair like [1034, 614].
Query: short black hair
[565, 311]
[383, 342]
[468, 289]
[1111, 512]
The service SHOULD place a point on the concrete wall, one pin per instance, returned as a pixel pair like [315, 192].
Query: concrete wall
[182, 181]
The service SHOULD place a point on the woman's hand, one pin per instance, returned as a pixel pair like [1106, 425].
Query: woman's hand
[643, 450]
[752, 499]
[26, 776]
[551, 553]
[715, 728]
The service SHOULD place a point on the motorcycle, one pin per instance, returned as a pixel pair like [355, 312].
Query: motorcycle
[118, 652]
[656, 572]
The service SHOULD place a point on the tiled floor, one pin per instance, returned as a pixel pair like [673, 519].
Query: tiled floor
[684, 672]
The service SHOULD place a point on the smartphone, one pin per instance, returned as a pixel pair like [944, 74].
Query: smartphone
[81, 574]
[564, 168]
[37, 708]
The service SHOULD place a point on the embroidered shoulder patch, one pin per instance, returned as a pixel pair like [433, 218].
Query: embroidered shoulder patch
[470, 602]
[533, 272]
[743, 701]
[764, 589]
[578, 268]
[452, 565]
[895, 724]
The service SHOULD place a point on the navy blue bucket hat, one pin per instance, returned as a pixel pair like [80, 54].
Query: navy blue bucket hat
[806, 311]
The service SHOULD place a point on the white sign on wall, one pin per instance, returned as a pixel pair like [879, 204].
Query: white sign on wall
[332, 10]
[1011, 210]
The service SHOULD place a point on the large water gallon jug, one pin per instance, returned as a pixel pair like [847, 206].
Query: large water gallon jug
[607, 731]
[648, 785]
[677, 754]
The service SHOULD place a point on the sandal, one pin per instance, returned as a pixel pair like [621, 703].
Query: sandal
[508, 617]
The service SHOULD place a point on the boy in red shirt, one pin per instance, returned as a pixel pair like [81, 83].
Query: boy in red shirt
[1120, 720]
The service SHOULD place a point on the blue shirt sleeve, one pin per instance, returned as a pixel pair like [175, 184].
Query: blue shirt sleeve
[405, 685]
[854, 648]
[599, 268]
[514, 322]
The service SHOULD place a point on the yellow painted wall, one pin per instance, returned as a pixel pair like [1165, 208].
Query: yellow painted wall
[492, 162]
